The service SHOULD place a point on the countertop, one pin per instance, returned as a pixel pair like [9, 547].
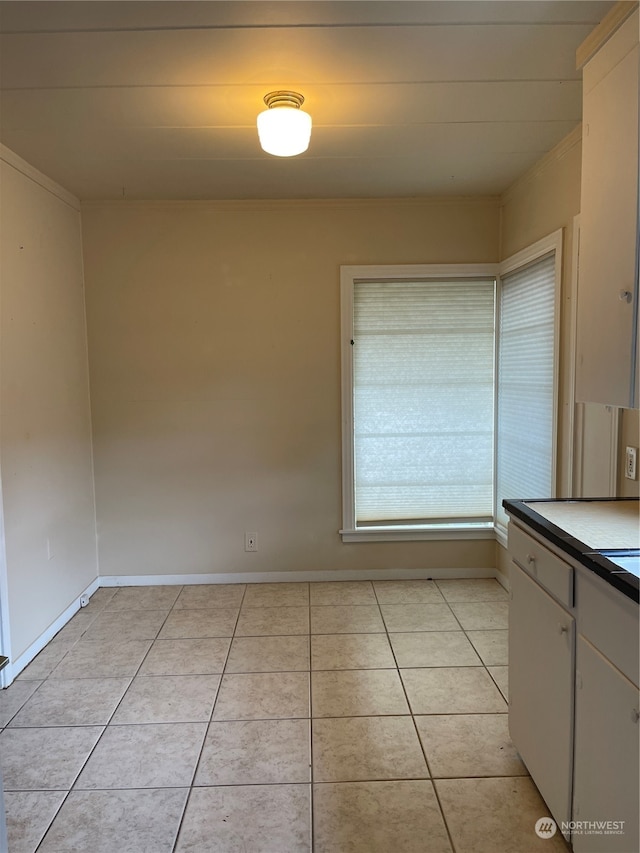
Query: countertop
[586, 527]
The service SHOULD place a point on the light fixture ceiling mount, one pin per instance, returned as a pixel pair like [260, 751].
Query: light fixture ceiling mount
[284, 98]
[283, 128]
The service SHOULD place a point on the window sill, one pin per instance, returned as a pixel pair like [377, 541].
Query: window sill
[397, 533]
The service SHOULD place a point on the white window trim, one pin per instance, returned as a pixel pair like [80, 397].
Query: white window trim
[349, 275]
[551, 243]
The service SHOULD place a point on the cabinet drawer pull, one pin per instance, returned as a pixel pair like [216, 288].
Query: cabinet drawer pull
[635, 715]
[563, 629]
[626, 296]
[531, 559]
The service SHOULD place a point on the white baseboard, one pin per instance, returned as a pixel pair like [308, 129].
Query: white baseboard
[297, 577]
[502, 579]
[14, 668]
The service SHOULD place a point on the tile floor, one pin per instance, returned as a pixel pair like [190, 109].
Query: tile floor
[271, 718]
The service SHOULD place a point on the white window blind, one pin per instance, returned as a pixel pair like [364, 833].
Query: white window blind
[423, 397]
[526, 384]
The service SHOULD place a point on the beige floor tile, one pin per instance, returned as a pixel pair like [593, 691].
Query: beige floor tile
[492, 646]
[253, 818]
[346, 619]
[207, 595]
[482, 615]
[351, 749]
[407, 592]
[263, 696]
[460, 745]
[79, 623]
[96, 604]
[351, 651]
[44, 663]
[102, 597]
[357, 693]
[277, 595]
[472, 589]
[29, 814]
[342, 592]
[168, 699]
[204, 656]
[126, 625]
[144, 598]
[199, 624]
[372, 793]
[45, 758]
[102, 659]
[117, 822]
[419, 617]
[271, 621]
[452, 690]
[487, 815]
[269, 654]
[159, 755]
[433, 648]
[14, 697]
[64, 702]
[256, 752]
[378, 817]
[500, 675]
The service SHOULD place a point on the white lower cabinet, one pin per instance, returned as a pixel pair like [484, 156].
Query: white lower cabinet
[541, 675]
[574, 704]
[607, 750]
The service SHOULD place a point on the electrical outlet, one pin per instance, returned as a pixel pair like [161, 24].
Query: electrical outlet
[250, 541]
[84, 600]
[631, 454]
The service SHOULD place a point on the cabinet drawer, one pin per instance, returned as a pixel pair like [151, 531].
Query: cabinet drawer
[609, 620]
[546, 568]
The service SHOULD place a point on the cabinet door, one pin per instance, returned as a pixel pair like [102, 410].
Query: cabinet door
[606, 753]
[607, 322]
[541, 676]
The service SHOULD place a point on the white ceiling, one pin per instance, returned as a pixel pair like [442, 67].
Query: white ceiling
[150, 100]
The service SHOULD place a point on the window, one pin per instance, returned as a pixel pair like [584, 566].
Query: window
[423, 400]
[434, 418]
[527, 375]
[418, 400]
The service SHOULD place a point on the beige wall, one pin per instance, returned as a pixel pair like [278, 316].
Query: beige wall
[215, 377]
[45, 447]
[214, 359]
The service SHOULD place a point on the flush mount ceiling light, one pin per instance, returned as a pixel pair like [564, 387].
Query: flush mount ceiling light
[283, 128]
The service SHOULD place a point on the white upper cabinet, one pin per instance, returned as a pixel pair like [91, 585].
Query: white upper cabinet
[607, 358]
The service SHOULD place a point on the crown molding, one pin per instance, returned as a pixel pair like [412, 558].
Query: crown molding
[550, 158]
[280, 204]
[29, 171]
[603, 32]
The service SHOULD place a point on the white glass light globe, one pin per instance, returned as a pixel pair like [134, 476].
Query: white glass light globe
[284, 131]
